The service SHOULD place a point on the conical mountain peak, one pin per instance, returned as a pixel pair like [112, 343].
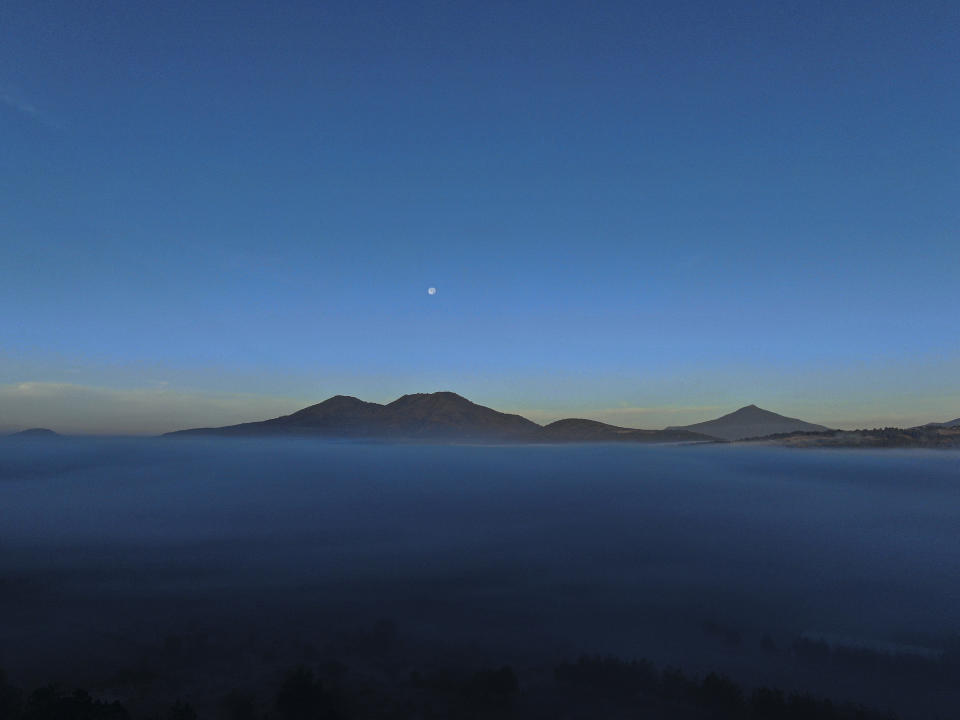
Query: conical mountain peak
[343, 400]
[336, 403]
[750, 421]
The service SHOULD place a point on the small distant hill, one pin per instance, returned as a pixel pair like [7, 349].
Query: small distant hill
[439, 416]
[948, 424]
[35, 433]
[750, 422]
[581, 430]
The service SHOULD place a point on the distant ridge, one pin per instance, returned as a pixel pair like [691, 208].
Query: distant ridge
[580, 430]
[750, 422]
[439, 416]
[933, 436]
[35, 433]
[948, 424]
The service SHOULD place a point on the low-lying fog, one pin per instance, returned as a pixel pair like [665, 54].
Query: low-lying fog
[684, 555]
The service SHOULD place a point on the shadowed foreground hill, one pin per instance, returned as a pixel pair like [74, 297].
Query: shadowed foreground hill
[436, 416]
[750, 422]
[928, 436]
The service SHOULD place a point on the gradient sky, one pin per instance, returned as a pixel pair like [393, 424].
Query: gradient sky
[646, 213]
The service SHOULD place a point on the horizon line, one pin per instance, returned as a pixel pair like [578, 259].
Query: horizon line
[243, 411]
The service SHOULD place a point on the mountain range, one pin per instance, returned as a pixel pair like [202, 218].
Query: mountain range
[446, 416]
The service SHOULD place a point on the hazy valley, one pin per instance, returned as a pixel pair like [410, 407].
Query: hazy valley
[149, 569]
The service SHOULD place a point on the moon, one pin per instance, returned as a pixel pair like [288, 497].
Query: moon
[431, 291]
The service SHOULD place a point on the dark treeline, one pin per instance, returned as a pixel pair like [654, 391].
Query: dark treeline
[591, 687]
[941, 670]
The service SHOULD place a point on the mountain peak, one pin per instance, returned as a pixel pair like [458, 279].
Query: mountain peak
[750, 421]
[343, 400]
[751, 409]
[332, 409]
[447, 414]
[335, 402]
[439, 396]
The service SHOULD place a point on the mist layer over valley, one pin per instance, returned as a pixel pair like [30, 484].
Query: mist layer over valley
[256, 552]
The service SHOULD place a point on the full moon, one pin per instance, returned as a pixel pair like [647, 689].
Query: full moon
[431, 291]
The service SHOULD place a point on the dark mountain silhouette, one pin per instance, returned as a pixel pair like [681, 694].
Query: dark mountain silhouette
[580, 430]
[440, 415]
[448, 414]
[436, 416]
[35, 433]
[750, 422]
[339, 415]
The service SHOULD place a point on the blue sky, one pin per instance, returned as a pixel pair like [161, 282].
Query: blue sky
[647, 213]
